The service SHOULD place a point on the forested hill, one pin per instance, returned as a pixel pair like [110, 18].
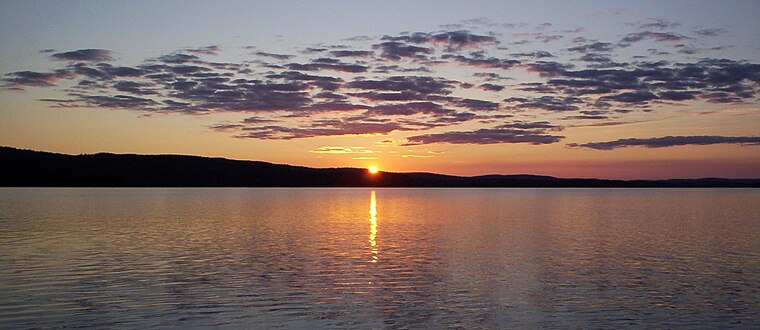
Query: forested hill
[44, 169]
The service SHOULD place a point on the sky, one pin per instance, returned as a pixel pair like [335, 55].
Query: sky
[606, 89]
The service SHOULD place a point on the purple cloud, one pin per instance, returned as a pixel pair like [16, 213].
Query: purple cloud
[88, 55]
[669, 141]
[518, 132]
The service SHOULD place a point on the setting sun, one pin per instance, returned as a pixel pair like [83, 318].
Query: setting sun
[373, 170]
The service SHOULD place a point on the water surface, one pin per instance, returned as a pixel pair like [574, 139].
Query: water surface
[348, 258]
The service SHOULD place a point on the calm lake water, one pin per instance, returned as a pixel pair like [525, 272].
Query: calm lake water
[377, 258]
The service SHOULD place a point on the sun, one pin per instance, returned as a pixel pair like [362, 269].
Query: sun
[373, 170]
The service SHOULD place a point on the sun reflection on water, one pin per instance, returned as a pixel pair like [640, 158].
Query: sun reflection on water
[373, 226]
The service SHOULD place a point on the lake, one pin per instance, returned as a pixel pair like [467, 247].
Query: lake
[379, 258]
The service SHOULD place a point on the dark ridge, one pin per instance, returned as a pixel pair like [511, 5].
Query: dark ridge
[26, 168]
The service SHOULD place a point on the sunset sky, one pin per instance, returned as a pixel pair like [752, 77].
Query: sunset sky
[608, 89]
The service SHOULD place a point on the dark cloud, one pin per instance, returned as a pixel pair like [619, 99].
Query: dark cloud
[534, 54]
[330, 95]
[87, 55]
[326, 128]
[548, 37]
[491, 87]
[331, 106]
[132, 87]
[208, 50]
[670, 141]
[389, 96]
[709, 32]
[273, 55]
[398, 69]
[678, 95]
[34, 79]
[547, 103]
[394, 50]
[518, 132]
[415, 84]
[178, 58]
[632, 97]
[116, 101]
[313, 50]
[593, 47]
[600, 61]
[390, 88]
[718, 81]
[477, 105]
[657, 24]
[351, 53]
[453, 40]
[482, 62]
[586, 117]
[327, 64]
[490, 76]
[457, 117]
[406, 109]
[549, 68]
[323, 82]
[257, 120]
[656, 36]
[226, 127]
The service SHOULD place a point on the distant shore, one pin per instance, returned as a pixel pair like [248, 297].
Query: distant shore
[27, 168]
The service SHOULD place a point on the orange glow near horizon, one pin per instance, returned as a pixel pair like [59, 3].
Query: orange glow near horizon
[373, 170]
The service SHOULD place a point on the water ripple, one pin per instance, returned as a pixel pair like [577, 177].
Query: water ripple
[386, 258]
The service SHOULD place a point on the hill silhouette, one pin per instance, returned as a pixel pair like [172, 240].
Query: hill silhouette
[20, 168]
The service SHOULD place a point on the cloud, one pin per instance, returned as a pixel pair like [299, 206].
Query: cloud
[273, 55]
[416, 156]
[547, 103]
[491, 87]
[257, 120]
[342, 150]
[632, 97]
[482, 62]
[208, 50]
[323, 82]
[410, 82]
[327, 64]
[710, 32]
[406, 109]
[415, 84]
[534, 54]
[393, 50]
[116, 101]
[490, 76]
[518, 132]
[138, 88]
[34, 79]
[88, 55]
[453, 40]
[226, 127]
[678, 95]
[656, 36]
[315, 130]
[657, 23]
[548, 37]
[351, 53]
[593, 47]
[670, 141]
[477, 105]
[549, 68]
[177, 58]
